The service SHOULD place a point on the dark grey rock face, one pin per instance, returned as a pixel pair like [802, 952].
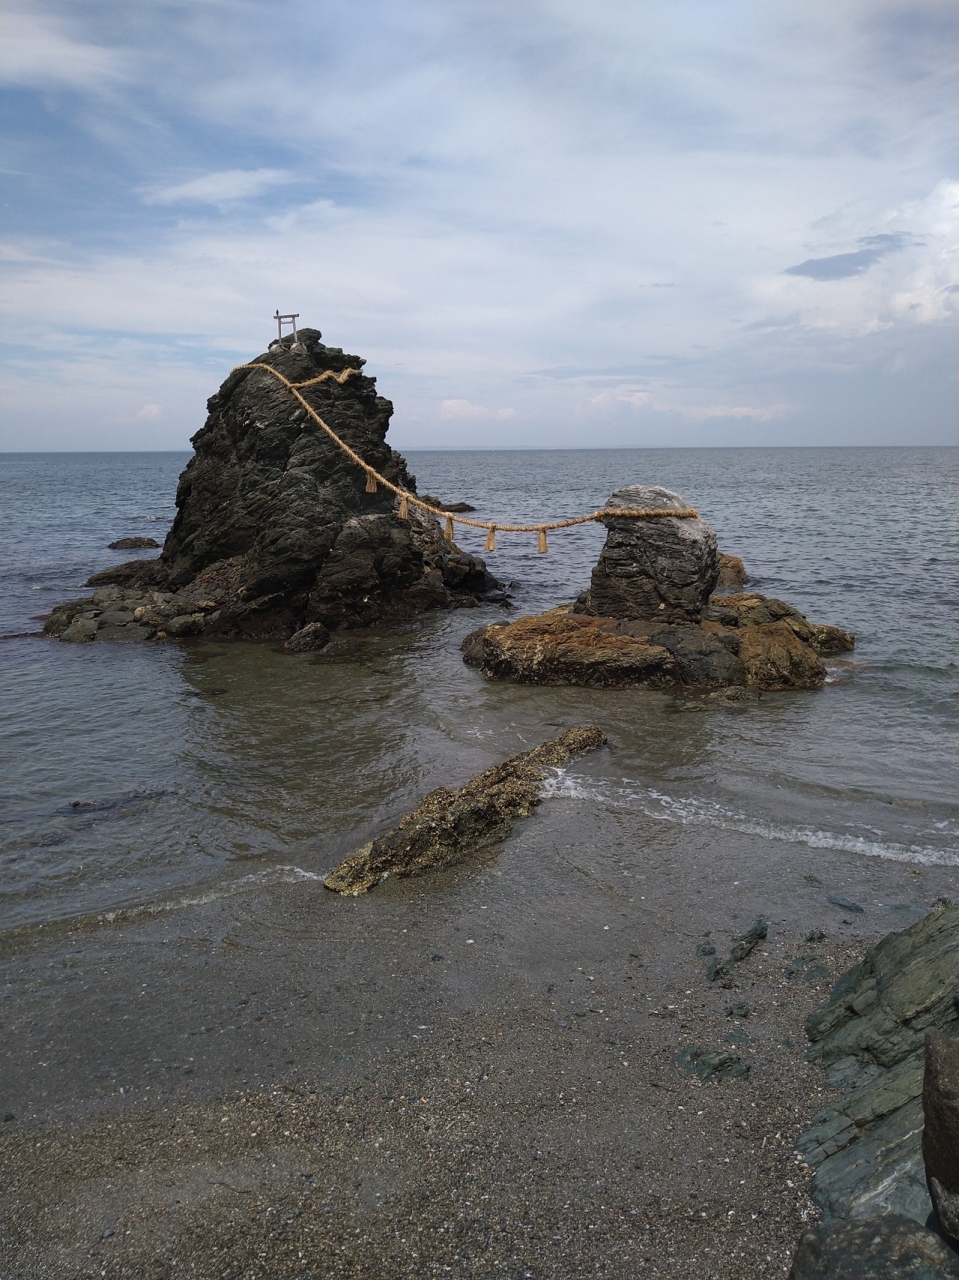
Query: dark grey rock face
[870, 1037]
[940, 1135]
[659, 569]
[888, 1248]
[274, 527]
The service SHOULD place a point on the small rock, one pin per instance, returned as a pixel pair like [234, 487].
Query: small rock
[8, 1116]
[132, 544]
[739, 1010]
[186, 624]
[815, 935]
[705, 949]
[891, 1247]
[747, 942]
[846, 904]
[309, 638]
[712, 1064]
[80, 631]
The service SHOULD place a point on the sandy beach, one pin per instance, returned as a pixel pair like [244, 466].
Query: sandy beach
[472, 1074]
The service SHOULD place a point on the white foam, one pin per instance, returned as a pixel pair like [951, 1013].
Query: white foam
[270, 875]
[689, 810]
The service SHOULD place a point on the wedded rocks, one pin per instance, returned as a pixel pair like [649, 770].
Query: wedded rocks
[275, 529]
[660, 569]
[447, 824]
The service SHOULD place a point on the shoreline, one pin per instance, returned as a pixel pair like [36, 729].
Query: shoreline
[472, 1073]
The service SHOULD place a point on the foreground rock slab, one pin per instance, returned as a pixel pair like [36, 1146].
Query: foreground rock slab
[449, 824]
[888, 1248]
[866, 1147]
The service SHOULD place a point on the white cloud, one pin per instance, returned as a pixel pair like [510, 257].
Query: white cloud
[761, 413]
[221, 187]
[466, 409]
[37, 50]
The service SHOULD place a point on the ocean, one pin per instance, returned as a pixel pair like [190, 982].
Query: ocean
[141, 778]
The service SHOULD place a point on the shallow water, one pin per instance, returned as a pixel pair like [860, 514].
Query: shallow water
[138, 775]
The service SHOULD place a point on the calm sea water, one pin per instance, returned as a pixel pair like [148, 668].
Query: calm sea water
[144, 776]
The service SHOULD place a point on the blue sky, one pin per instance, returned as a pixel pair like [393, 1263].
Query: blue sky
[629, 223]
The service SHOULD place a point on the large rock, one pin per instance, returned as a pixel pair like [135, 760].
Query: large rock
[274, 528]
[561, 647]
[661, 569]
[870, 1037]
[742, 640]
[447, 824]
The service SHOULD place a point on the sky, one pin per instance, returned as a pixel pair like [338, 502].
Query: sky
[545, 224]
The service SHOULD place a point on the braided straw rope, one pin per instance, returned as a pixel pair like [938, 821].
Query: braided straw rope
[373, 477]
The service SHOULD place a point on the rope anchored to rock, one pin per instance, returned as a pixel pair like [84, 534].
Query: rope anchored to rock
[375, 479]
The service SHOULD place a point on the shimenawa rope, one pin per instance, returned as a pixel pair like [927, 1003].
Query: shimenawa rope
[373, 478]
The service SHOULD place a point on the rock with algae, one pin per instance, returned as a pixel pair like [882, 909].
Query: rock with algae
[449, 824]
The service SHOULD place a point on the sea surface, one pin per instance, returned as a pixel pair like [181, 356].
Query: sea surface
[138, 778]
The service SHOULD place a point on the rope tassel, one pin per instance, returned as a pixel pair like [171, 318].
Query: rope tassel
[370, 482]
[491, 539]
[404, 511]
[448, 531]
[543, 544]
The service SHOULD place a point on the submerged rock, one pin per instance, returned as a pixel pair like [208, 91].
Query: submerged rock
[132, 544]
[870, 1037]
[449, 824]
[662, 569]
[275, 529]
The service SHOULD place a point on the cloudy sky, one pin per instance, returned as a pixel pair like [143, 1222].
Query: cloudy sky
[544, 223]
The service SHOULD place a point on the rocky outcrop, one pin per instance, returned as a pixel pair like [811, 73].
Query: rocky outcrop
[275, 529]
[764, 644]
[866, 1147]
[447, 824]
[661, 569]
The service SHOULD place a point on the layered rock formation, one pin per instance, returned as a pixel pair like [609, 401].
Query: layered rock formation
[447, 825]
[886, 1153]
[274, 528]
[660, 569]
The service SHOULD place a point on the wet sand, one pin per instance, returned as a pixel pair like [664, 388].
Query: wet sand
[468, 1075]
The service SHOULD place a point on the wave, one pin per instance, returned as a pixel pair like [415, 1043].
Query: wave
[690, 811]
[137, 911]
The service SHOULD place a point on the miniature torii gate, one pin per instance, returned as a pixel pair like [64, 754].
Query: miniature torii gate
[290, 319]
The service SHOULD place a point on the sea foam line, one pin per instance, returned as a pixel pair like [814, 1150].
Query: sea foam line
[690, 811]
[270, 875]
